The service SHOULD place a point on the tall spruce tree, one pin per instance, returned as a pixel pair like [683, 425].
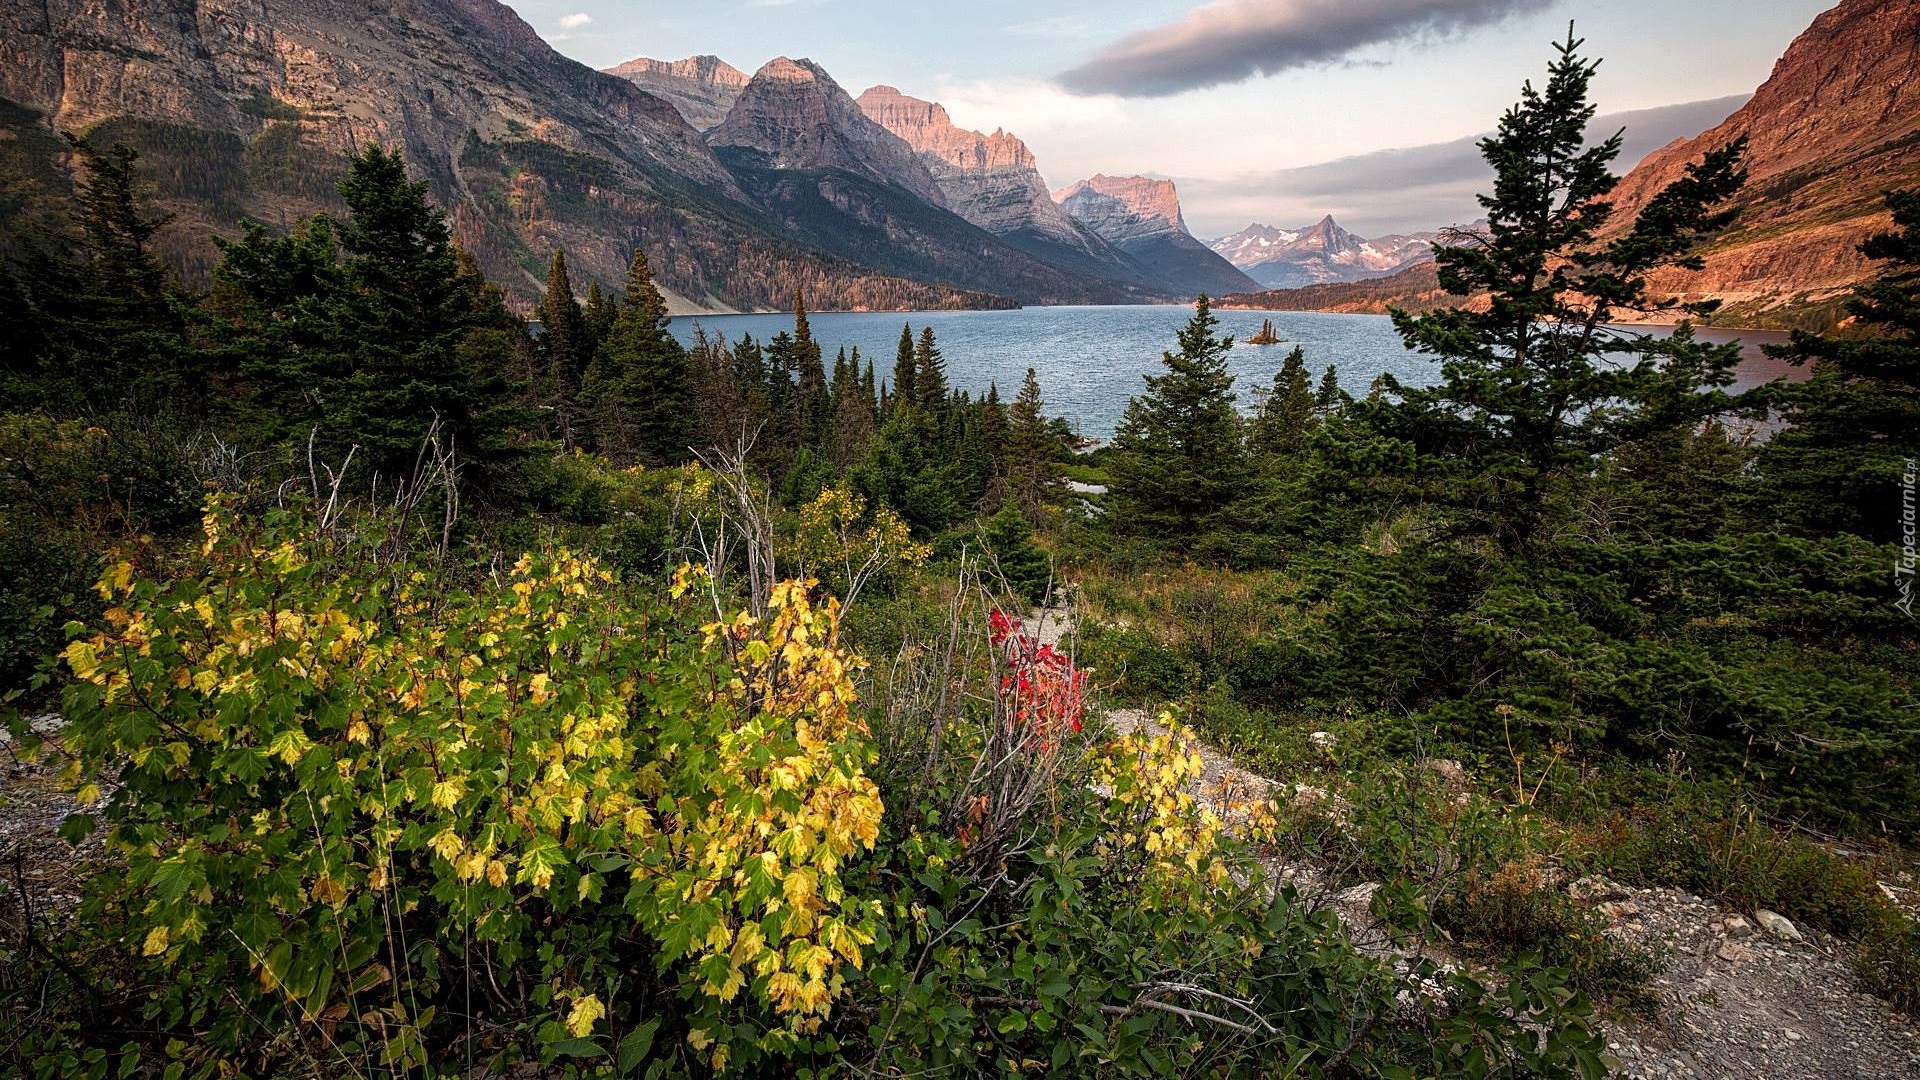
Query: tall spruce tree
[717, 401]
[638, 394]
[930, 390]
[854, 423]
[813, 403]
[1534, 383]
[368, 332]
[566, 345]
[905, 394]
[1179, 458]
[1854, 427]
[108, 314]
[1287, 419]
[1031, 481]
[598, 312]
[1328, 397]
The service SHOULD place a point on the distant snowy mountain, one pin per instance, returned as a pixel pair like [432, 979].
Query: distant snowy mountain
[1319, 254]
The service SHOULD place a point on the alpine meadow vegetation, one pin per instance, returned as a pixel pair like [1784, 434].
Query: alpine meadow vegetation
[441, 689]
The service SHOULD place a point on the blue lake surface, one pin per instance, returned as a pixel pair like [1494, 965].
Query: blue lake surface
[1090, 359]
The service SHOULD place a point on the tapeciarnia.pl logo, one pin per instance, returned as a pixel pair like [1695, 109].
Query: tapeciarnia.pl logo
[1903, 567]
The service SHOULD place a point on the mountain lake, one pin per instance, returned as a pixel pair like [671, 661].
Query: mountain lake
[1089, 359]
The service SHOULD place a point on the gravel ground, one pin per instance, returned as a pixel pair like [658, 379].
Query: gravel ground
[33, 803]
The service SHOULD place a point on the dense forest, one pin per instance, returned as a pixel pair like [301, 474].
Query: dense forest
[449, 694]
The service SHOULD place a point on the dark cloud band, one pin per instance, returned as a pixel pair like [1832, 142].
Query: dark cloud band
[1232, 40]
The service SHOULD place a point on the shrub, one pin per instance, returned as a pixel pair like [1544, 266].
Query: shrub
[357, 804]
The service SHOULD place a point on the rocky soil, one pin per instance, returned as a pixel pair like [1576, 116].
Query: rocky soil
[1744, 995]
[1738, 1001]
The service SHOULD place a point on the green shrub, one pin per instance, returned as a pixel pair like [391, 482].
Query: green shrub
[1889, 965]
[356, 801]
[1746, 864]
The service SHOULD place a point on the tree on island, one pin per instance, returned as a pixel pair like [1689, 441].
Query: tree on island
[1179, 459]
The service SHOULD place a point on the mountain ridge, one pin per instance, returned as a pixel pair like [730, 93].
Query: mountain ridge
[1142, 217]
[239, 114]
[1321, 253]
[702, 88]
[1835, 124]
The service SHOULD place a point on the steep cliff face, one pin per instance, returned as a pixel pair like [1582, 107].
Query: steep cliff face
[247, 108]
[809, 156]
[795, 117]
[1124, 208]
[994, 182]
[991, 180]
[1836, 124]
[702, 88]
[1141, 217]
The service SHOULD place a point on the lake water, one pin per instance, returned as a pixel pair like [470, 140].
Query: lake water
[1089, 359]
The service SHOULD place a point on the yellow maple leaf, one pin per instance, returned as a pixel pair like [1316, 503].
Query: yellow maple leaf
[585, 1012]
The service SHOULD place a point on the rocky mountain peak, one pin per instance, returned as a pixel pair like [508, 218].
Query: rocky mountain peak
[927, 128]
[1154, 205]
[702, 88]
[992, 180]
[786, 69]
[1319, 253]
[794, 116]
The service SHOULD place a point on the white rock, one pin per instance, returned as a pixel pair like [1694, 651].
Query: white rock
[1738, 926]
[1322, 740]
[1777, 924]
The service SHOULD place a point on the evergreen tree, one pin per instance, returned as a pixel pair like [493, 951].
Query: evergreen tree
[1329, 396]
[930, 391]
[639, 391]
[1014, 557]
[567, 348]
[854, 424]
[752, 376]
[1179, 461]
[1855, 426]
[1030, 478]
[599, 313]
[111, 321]
[1287, 418]
[1529, 387]
[905, 394]
[371, 330]
[812, 400]
[782, 439]
[718, 404]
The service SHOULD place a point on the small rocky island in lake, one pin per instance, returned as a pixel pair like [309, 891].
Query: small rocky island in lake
[1267, 335]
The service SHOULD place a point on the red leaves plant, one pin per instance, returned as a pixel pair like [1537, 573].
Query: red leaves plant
[1044, 692]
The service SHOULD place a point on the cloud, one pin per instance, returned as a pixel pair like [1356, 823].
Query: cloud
[575, 21]
[1232, 40]
[1418, 187]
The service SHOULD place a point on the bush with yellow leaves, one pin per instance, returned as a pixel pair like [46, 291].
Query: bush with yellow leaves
[377, 818]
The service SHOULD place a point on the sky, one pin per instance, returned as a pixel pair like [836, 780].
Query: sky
[1278, 111]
